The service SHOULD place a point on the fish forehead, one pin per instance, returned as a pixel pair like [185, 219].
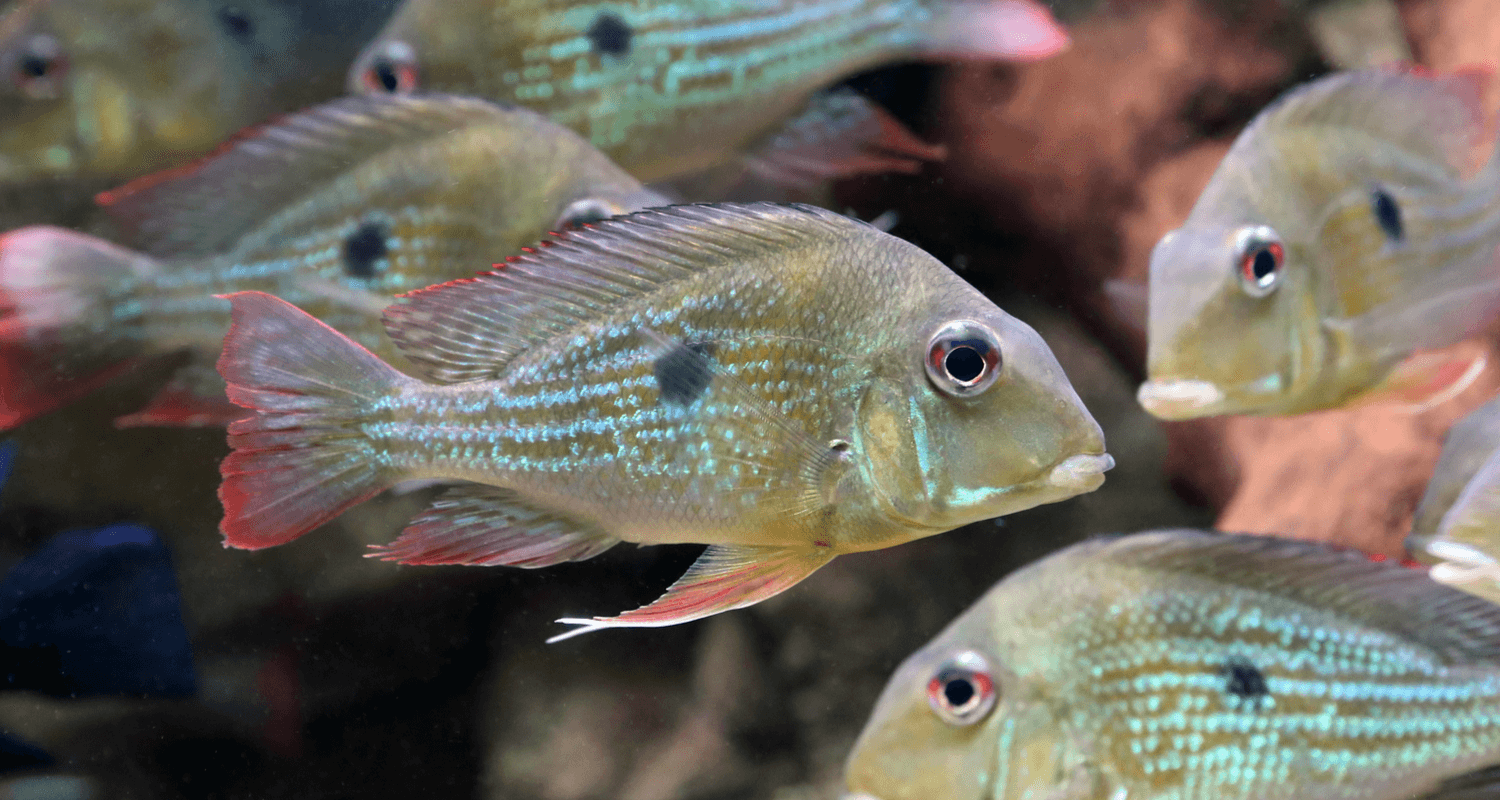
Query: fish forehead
[1183, 677]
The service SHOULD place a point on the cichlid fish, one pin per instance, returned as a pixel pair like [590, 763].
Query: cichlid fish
[336, 209]
[1181, 665]
[1335, 254]
[1457, 525]
[112, 89]
[779, 382]
[668, 89]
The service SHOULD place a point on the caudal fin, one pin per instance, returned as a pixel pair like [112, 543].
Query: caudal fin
[59, 334]
[300, 460]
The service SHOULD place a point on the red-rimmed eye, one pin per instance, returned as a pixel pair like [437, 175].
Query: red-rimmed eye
[962, 691]
[391, 70]
[963, 358]
[1259, 256]
[37, 67]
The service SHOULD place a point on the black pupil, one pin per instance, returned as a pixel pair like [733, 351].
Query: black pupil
[958, 692]
[964, 363]
[35, 66]
[1388, 214]
[385, 75]
[1264, 263]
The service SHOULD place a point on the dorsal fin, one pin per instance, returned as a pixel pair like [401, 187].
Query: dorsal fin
[1385, 595]
[203, 207]
[468, 330]
[1438, 117]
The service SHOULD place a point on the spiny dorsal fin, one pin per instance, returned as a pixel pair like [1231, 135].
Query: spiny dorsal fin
[468, 330]
[1437, 117]
[202, 208]
[1383, 595]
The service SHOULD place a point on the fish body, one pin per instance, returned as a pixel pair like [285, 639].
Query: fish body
[336, 209]
[79, 100]
[780, 382]
[1342, 247]
[667, 89]
[1183, 665]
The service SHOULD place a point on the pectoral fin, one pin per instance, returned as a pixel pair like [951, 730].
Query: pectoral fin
[1429, 378]
[486, 526]
[724, 578]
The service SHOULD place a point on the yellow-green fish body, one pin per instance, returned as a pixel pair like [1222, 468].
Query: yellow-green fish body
[112, 89]
[336, 209]
[1336, 252]
[1182, 665]
[668, 88]
[781, 382]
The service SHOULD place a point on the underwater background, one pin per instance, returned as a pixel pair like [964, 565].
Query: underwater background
[314, 672]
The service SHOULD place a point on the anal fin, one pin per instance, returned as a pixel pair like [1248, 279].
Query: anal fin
[193, 398]
[840, 134]
[484, 526]
[724, 578]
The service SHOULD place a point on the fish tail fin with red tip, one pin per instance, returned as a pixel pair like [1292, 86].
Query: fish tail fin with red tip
[300, 459]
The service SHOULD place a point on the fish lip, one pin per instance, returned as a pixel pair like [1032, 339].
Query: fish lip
[1179, 399]
[857, 796]
[1083, 472]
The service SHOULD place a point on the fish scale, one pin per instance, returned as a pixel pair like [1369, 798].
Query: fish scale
[681, 87]
[336, 209]
[1184, 665]
[753, 377]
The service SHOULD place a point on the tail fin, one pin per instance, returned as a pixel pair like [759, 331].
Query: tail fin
[58, 338]
[1005, 30]
[301, 459]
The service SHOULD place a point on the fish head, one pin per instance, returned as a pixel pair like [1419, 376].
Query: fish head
[79, 99]
[977, 420]
[447, 46]
[1231, 322]
[957, 722]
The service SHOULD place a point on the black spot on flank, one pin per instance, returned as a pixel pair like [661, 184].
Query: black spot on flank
[1388, 214]
[363, 249]
[236, 22]
[610, 35]
[683, 374]
[1243, 680]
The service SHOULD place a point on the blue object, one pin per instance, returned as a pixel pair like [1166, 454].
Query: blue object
[95, 612]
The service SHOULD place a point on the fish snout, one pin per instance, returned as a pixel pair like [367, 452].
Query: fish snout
[1081, 473]
[1179, 399]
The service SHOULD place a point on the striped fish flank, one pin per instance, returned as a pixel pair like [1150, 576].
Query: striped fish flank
[1181, 665]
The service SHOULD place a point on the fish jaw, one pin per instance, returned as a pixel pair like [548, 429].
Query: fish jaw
[1081, 473]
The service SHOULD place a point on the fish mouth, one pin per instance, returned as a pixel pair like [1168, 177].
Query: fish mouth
[857, 796]
[1178, 400]
[1081, 473]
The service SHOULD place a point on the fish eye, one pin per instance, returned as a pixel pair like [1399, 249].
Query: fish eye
[1387, 214]
[38, 67]
[1259, 256]
[585, 212]
[962, 691]
[391, 70]
[963, 358]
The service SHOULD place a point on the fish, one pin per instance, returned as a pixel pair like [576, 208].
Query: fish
[779, 382]
[79, 101]
[669, 90]
[1340, 254]
[1456, 527]
[338, 209]
[1189, 665]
